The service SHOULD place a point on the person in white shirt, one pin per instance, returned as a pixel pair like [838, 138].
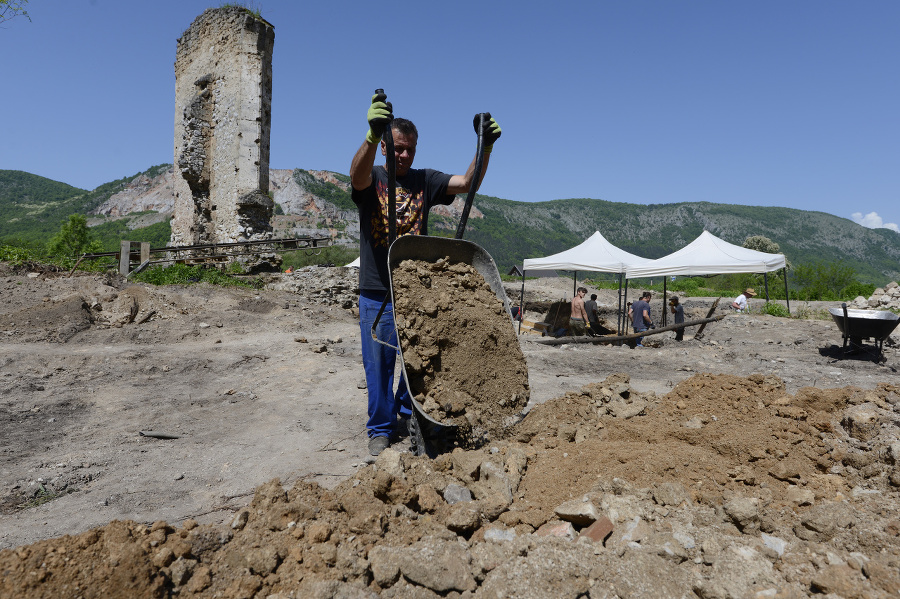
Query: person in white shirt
[741, 302]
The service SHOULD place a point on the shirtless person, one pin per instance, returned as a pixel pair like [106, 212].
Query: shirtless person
[578, 321]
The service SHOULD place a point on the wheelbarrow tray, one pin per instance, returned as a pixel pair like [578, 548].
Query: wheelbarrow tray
[865, 324]
[432, 249]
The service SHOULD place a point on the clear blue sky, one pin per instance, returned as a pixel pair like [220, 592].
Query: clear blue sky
[768, 103]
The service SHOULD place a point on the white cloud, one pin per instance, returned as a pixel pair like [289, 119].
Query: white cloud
[873, 221]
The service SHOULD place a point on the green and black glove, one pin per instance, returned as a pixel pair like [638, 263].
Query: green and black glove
[491, 132]
[379, 115]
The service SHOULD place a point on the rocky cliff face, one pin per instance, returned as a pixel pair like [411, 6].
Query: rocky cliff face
[156, 193]
[141, 194]
[305, 214]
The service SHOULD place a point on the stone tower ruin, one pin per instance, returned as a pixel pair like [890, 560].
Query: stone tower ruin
[223, 102]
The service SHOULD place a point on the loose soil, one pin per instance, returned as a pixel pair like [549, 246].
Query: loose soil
[463, 360]
[759, 461]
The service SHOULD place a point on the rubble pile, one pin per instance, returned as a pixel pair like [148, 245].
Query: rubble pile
[326, 286]
[725, 487]
[886, 298]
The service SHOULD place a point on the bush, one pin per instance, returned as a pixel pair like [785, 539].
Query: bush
[337, 255]
[182, 274]
[775, 309]
[74, 238]
[855, 289]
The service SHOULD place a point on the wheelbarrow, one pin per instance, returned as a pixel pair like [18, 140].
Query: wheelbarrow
[857, 325]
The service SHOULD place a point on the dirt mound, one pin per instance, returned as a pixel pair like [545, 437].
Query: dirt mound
[725, 487]
[464, 363]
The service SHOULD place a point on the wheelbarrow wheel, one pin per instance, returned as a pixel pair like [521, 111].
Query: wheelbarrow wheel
[416, 438]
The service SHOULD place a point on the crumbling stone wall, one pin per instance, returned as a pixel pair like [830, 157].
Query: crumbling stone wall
[223, 101]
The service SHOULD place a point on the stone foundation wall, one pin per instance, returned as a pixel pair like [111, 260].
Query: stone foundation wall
[223, 100]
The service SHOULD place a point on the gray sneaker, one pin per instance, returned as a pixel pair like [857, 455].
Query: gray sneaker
[378, 444]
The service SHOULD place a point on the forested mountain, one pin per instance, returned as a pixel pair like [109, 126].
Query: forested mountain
[32, 208]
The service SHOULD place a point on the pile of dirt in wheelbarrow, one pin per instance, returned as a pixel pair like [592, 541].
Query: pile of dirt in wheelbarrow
[463, 360]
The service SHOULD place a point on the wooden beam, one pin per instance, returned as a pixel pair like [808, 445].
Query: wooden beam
[616, 338]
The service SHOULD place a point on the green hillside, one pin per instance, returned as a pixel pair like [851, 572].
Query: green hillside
[512, 231]
[33, 208]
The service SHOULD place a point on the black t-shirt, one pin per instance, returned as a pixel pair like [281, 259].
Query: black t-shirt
[417, 192]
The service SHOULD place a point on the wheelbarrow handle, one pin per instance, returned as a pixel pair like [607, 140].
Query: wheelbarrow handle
[476, 176]
[388, 138]
[384, 304]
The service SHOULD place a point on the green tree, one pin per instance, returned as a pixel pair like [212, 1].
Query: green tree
[9, 9]
[74, 238]
[823, 280]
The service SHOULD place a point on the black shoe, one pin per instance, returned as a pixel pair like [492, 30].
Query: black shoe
[378, 444]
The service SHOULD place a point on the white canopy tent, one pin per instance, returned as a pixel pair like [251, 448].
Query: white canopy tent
[595, 254]
[707, 255]
[710, 255]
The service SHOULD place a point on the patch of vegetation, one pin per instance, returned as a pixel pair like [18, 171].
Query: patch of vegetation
[110, 234]
[250, 7]
[337, 255]
[774, 309]
[43, 496]
[329, 192]
[33, 208]
[183, 274]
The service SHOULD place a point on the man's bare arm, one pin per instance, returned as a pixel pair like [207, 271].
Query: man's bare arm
[462, 183]
[361, 167]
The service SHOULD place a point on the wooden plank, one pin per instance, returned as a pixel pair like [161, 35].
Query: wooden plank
[712, 309]
[616, 338]
[124, 257]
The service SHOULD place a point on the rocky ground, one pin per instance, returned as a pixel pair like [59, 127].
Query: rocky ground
[210, 442]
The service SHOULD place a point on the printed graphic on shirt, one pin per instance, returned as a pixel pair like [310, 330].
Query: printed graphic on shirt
[409, 212]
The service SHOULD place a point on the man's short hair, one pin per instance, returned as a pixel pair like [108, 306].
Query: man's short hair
[580, 289]
[646, 294]
[405, 126]
[593, 296]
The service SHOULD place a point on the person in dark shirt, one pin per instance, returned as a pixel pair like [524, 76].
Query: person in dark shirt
[417, 190]
[640, 311]
[678, 310]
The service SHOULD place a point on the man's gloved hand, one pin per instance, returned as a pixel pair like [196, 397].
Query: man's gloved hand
[491, 132]
[379, 115]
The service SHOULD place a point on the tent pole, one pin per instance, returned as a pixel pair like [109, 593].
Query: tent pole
[575, 284]
[619, 310]
[625, 309]
[787, 295]
[766, 282]
[522, 301]
[664, 302]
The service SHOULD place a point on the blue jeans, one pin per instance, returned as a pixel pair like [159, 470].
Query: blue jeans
[379, 362]
[640, 340]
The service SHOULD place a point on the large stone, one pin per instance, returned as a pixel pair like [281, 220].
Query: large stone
[639, 574]
[744, 512]
[673, 494]
[824, 521]
[862, 422]
[552, 568]
[837, 579]
[738, 572]
[599, 531]
[439, 565]
[556, 528]
[578, 512]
